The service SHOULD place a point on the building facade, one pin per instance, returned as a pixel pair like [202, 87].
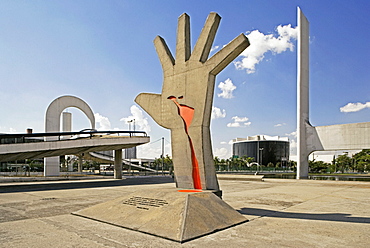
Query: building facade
[264, 149]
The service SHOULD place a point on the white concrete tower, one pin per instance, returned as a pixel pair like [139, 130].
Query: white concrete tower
[354, 136]
[302, 95]
[67, 127]
[67, 122]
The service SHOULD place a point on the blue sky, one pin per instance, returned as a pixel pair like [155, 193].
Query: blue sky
[103, 52]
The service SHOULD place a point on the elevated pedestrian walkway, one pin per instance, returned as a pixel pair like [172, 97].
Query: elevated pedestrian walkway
[38, 145]
[104, 158]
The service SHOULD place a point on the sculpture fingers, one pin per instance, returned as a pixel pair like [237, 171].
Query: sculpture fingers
[164, 55]
[227, 54]
[152, 104]
[183, 39]
[204, 43]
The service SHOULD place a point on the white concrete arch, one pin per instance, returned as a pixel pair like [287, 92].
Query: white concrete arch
[56, 107]
[52, 124]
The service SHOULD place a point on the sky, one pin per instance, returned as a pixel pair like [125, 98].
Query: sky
[103, 52]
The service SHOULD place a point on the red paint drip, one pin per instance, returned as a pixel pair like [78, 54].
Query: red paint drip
[189, 190]
[187, 114]
[195, 172]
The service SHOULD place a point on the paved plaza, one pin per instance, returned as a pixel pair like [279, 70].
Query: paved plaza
[281, 213]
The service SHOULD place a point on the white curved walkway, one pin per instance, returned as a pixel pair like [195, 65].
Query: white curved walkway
[12, 152]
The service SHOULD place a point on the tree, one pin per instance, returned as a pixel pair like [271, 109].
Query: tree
[318, 166]
[217, 162]
[233, 162]
[293, 165]
[343, 163]
[223, 164]
[36, 165]
[167, 163]
[228, 163]
[362, 160]
[248, 160]
[270, 164]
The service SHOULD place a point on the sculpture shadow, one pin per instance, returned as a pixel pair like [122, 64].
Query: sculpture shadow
[81, 184]
[337, 217]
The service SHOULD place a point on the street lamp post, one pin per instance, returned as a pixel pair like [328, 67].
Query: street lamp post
[129, 124]
[162, 154]
[260, 150]
[130, 149]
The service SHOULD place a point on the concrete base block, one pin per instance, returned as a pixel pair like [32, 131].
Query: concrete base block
[167, 213]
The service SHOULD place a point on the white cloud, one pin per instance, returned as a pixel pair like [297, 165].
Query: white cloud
[293, 149]
[151, 150]
[227, 89]
[240, 119]
[261, 44]
[293, 144]
[354, 107]
[233, 124]
[280, 125]
[223, 143]
[214, 48]
[239, 122]
[294, 134]
[218, 113]
[221, 153]
[141, 123]
[104, 123]
[148, 151]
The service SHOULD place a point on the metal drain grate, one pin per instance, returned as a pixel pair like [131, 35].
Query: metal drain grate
[145, 203]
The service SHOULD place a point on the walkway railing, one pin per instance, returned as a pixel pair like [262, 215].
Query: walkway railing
[39, 137]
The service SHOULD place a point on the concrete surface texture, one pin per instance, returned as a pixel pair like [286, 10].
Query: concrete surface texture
[354, 136]
[168, 213]
[302, 93]
[281, 213]
[52, 124]
[185, 104]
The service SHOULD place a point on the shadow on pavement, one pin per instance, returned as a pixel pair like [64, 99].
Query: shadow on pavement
[339, 217]
[83, 184]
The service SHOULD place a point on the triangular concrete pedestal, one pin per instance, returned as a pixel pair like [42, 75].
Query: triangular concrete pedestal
[179, 216]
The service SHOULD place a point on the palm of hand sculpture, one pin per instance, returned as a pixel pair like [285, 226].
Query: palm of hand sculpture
[185, 104]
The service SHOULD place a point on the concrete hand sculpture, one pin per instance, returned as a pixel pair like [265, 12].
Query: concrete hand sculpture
[185, 104]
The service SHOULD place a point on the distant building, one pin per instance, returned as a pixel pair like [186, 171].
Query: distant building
[264, 149]
[130, 153]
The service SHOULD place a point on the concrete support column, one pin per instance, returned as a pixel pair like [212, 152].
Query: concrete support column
[118, 164]
[80, 161]
[302, 95]
[51, 166]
